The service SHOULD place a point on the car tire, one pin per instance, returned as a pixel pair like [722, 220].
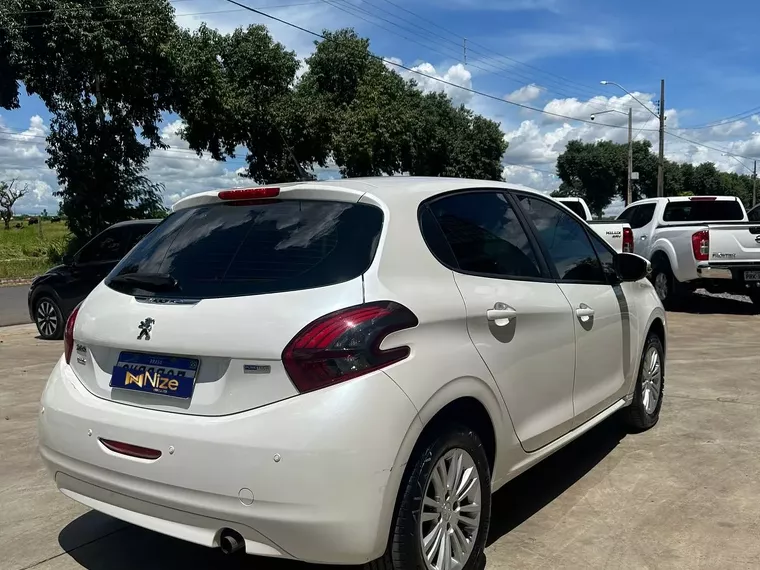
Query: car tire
[665, 284]
[48, 318]
[427, 506]
[754, 296]
[644, 410]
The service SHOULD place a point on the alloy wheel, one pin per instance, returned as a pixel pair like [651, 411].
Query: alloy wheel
[651, 380]
[451, 509]
[47, 318]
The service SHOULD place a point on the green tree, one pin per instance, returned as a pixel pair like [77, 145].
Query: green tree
[591, 171]
[236, 90]
[101, 79]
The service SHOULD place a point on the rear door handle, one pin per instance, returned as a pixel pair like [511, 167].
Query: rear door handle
[501, 314]
[584, 312]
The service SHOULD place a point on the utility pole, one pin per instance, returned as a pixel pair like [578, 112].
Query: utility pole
[754, 185]
[464, 49]
[661, 162]
[629, 193]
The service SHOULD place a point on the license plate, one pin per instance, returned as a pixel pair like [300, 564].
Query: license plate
[164, 375]
[752, 275]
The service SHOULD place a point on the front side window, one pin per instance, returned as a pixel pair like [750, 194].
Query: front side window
[484, 235]
[754, 214]
[565, 240]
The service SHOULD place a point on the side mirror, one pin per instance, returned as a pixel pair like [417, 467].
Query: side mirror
[632, 267]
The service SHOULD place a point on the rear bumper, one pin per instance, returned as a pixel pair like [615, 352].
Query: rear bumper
[728, 277]
[311, 478]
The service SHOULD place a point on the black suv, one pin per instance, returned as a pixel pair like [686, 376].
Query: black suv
[56, 293]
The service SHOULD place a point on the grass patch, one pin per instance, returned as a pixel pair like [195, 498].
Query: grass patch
[31, 250]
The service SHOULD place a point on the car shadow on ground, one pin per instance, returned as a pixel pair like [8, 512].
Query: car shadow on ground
[527, 494]
[702, 303]
[99, 542]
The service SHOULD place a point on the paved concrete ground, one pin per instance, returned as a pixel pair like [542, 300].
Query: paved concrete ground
[13, 309]
[684, 495]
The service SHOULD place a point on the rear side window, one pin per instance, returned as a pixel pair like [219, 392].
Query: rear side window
[754, 214]
[253, 248]
[110, 245]
[703, 211]
[483, 234]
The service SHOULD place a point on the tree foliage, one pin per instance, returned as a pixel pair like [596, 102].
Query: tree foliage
[103, 70]
[598, 173]
[108, 71]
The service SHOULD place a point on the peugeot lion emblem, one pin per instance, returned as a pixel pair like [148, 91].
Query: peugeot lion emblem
[145, 327]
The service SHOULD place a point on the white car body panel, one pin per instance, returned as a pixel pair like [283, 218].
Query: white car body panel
[543, 378]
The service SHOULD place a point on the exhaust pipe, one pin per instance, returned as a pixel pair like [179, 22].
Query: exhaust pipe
[230, 541]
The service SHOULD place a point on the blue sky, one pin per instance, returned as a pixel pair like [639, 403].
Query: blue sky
[549, 54]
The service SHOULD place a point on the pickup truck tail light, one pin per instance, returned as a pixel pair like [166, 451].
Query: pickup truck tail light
[700, 245]
[627, 240]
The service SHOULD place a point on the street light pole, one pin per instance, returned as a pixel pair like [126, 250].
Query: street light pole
[661, 161]
[754, 185]
[661, 117]
[629, 194]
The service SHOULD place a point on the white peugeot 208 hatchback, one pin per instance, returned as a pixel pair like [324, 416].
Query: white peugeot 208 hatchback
[344, 371]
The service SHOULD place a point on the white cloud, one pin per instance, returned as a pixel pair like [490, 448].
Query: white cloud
[456, 76]
[525, 94]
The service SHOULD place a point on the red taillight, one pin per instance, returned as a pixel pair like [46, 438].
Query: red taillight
[346, 344]
[68, 335]
[131, 450]
[249, 193]
[700, 245]
[627, 240]
[702, 198]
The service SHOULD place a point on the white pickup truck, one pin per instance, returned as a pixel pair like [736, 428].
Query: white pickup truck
[697, 241]
[616, 233]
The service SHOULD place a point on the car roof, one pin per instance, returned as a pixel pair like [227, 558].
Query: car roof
[151, 221]
[388, 189]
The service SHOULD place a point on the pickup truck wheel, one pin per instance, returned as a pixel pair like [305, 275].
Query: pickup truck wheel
[665, 284]
[444, 507]
[644, 410]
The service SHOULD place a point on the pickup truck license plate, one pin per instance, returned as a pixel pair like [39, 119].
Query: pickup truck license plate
[752, 275]
[164, 375]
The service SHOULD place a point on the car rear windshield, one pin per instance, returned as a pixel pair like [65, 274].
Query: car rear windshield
[703, 211]
[233, 249]
[577, 208]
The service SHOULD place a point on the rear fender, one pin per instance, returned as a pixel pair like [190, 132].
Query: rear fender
[505, 438]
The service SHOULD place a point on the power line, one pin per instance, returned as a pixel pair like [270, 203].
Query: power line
[82, 8]
[495, 69]
[722, 150]
[740, 117]
[432, 77]
[137, 17]
[513, 60]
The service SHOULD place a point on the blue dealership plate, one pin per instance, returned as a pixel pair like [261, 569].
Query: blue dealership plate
[165, 375]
